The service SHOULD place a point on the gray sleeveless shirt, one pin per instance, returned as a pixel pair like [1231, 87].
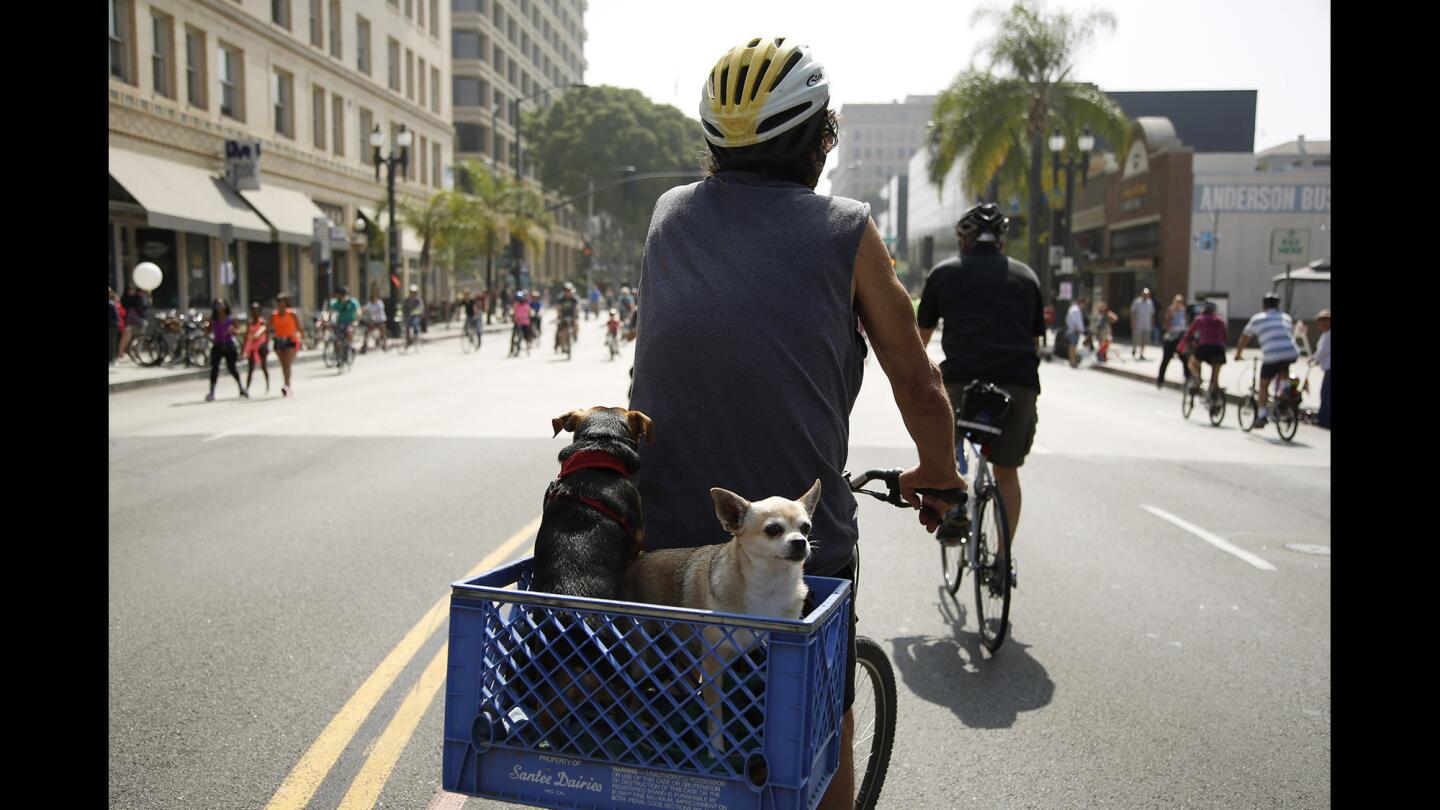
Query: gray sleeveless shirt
[748, 357]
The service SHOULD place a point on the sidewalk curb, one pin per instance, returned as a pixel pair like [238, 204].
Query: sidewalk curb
[204, 373]
[1233, 399]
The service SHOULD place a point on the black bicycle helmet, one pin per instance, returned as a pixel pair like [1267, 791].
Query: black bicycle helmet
[1271, 299]
[982, 221]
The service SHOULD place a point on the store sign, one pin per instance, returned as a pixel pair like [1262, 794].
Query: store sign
[1262, 198]
[242, 165]
[1289, 246]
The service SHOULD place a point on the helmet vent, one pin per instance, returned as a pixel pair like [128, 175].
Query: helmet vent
[740, 83]
[752, 43]
[781, 117]
[724, 78]
[785, 71]
[759, 79]
[712, 130]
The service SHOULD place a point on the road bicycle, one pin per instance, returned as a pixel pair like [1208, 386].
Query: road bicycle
[979, 538]
[518, 336]
[564, 335]
[1285, 396]
[338, 352]
[412, 335]
[1214, 399]
[374, 337]
[612, 342]
[470, 336]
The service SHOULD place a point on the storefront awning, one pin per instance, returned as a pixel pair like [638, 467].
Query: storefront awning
[180, 197]
[290, 213]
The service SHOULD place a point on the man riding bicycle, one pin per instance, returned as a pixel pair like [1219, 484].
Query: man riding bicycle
[994, 321]
[755, 288]
[569, 309]
[1276, 331]
[1209, 335]
[411, 307]
[346, 311]
[374, 318]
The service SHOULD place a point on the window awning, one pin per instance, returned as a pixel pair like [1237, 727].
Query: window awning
[180, 197]
[291, 213]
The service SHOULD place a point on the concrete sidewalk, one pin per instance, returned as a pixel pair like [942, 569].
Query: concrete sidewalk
[125, 375]
[1234, 377]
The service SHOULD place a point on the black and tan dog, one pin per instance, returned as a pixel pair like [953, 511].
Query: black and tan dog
[590, 531]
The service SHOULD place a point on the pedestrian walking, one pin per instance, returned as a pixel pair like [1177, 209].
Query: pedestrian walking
[222, 332]
[1075, 328]
[1175, 323]
[285, 327]
[1142, 320]
[257, 347]
[1104, 319]
[115, 321]
[133, 303]
[1322, 359]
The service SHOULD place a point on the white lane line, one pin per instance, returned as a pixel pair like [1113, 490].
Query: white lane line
[243, 428]
[445, 800]
[1214, 540]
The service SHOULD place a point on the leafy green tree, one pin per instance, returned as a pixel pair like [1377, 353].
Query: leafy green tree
[998, 123]
[431, 219]
[593, 133]
[487, 209]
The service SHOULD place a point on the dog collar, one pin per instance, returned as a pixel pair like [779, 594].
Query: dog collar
[589, 460]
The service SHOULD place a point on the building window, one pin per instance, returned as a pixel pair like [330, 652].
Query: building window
[471, 137]
[362, 44]
[195, 67]
[367, 124]
[280, 13]
[282, 89]
[121, 40]
[336, 23]
[232, 82]
[337, 124]
[392, 47]
[1136, 238]
[434, 18]
[468, 5]
[435, 179]
[162, 57]
[499, 60]
[435, 89]
[467, 91]
[467, 44]
[510, 73]
[420, 82]
[317, 24]
[409, 74]
[409, 9]
[424, 175]
[420, 14]
[317, 116]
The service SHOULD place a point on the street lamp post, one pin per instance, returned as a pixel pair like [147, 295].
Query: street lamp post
[399, 154]
[1057, 145]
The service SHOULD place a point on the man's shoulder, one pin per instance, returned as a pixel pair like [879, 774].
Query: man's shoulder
[1021, 268]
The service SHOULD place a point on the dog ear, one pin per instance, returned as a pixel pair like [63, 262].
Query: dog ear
[811, 499]
[567, 421]
[640, 426]
[730, 508]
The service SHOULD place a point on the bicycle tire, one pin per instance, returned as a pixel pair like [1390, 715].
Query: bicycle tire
[1286, 420]
[148, 350]
[1187, 401]
[1216, 410]
[198, 353]
[1245, 414]
[328, 354]
[992, 592]
[874, 739]
[466, 346]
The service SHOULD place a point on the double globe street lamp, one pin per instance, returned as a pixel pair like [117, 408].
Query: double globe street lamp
[1057, 145]
[399, 155]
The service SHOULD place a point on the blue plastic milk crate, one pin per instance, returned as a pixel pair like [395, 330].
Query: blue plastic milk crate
[558, 701]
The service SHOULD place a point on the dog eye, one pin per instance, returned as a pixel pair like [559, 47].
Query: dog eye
[805, 529]
[774, 530]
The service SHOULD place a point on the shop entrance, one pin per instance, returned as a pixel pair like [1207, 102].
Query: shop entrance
[262, 272]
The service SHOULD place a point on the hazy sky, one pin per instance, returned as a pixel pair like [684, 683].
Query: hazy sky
[882, 50]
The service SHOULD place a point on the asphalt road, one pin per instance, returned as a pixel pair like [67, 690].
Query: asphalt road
[267, 556]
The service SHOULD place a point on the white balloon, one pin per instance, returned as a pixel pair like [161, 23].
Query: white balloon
[146, 276]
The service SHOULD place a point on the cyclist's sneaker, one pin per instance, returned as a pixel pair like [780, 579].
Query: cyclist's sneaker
[210, 397]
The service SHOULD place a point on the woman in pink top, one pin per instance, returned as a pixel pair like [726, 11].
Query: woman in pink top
[522, 325]
[257, 347]
[1209, 334]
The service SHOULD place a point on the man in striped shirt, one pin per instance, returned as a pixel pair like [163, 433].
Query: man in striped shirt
[1277, 347]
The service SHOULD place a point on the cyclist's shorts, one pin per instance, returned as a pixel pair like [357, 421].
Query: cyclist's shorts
[1211, 353]
[848, 572]
[1017, 434]
[1269, 370]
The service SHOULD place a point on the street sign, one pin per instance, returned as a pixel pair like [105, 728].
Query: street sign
[1067, 266]
[1067, 290]
[322, 238]
[1206, 242]
[1056, 251]
[1289, 246]
[242, 164]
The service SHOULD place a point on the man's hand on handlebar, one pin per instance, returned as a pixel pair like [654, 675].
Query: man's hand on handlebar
[914, 478]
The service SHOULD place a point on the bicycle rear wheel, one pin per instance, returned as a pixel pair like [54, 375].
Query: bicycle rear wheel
[1216, 407]
[147, 350]
[1286, 420]
[1187, 400]
[328, 354]
[1245, 414]
[992, 581]
[874, 715]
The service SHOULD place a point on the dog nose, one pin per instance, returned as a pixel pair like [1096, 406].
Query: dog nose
[798, 546]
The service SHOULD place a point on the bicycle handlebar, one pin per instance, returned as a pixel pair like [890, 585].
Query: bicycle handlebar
[891, 477]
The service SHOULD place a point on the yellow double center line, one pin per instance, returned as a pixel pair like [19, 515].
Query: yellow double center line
[298, 788]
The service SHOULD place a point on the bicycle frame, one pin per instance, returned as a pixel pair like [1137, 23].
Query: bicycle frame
[981, 479]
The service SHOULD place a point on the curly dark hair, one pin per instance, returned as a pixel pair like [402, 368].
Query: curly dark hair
[797, 156]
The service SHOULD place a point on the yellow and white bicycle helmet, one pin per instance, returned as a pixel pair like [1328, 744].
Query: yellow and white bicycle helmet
[761, 90]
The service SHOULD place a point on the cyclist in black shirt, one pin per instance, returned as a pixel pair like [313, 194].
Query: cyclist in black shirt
[994, 320]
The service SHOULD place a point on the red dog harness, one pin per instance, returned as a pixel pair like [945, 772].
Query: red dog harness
[590, 460]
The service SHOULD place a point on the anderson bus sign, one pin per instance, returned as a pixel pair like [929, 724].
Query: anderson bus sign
[1261, 198]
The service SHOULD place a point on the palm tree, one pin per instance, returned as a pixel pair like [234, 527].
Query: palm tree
[494, 207]
[431, 221]
[997, 124]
